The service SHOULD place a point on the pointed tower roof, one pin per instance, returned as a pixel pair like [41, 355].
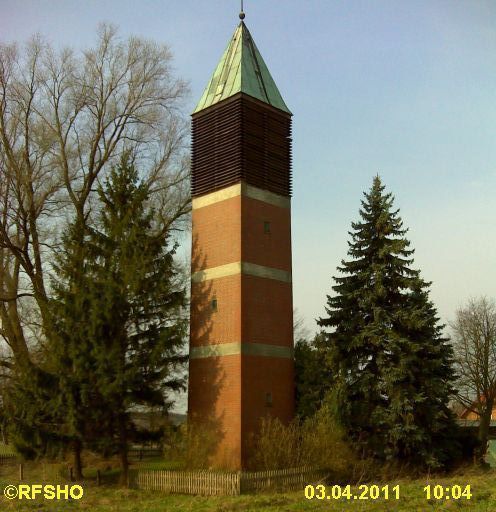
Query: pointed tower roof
[241, 69]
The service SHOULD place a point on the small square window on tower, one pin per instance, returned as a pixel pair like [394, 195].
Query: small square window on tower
[266, 226]
[268, 399]
[214, 304]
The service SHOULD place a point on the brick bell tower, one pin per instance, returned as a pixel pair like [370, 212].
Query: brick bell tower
[241, 345]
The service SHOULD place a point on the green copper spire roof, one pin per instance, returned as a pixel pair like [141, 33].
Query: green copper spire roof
[241, 69]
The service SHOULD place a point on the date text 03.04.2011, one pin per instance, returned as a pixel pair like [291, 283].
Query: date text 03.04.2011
[362, 492]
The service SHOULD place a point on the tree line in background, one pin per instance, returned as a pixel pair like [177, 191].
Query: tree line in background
[93, 180]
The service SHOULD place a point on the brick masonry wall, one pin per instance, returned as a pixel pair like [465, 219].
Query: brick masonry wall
[262, 376]
[233, 230]
[214, 403]
[216, 234]
[230, 392]
[223, 325]
[267, 311]
[271, 249]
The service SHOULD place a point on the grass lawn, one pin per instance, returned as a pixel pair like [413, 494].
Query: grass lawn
[491, 456]
[110, 498]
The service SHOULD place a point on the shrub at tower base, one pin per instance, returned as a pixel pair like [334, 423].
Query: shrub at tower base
[317, 442]
[391, 366]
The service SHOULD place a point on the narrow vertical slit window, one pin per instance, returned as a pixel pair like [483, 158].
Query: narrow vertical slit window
[268, 399]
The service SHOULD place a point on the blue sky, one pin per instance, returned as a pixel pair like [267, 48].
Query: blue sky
[405, 89]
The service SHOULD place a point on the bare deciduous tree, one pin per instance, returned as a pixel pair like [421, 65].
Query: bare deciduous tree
[300, 330]
[64, 120]
[475, 349]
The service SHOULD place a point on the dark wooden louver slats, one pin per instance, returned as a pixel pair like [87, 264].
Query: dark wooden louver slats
[241, 139]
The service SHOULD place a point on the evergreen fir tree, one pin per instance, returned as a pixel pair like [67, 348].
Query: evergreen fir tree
[121, 324]
[143, 304]
[33, 423]
[47, 403]
[393, 368]
[75, 327]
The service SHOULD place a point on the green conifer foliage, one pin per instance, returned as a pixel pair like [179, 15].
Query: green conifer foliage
[392, 366]
[120, 324]
[311, 375]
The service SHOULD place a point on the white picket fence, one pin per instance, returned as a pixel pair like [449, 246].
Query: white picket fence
[212, 483]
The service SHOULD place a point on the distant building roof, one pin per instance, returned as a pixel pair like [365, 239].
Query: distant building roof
[241, 69]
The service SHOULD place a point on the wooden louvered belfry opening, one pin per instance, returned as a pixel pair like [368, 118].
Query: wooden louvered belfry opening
[241, 139]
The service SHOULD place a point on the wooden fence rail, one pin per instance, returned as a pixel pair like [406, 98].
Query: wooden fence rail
[144, 453]
[280, 479]
[211, 483]
[8, 459]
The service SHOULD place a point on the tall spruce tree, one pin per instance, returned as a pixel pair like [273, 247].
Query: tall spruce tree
[49, 405]
[75, 331]
[121, 324]
[392, 366]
